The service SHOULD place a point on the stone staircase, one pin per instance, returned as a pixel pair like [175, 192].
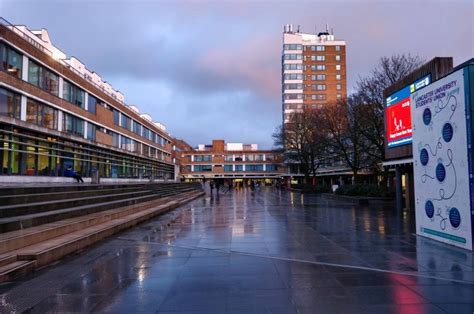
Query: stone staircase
[39, 225]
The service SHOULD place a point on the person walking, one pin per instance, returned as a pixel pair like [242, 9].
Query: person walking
[71, 173]
[211, 186]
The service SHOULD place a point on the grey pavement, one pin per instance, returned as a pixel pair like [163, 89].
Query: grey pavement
[264, 251]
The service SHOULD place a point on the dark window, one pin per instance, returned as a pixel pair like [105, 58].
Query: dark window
[116, 116]
[41, 114]
[125, 143]
[10, 61]
[43, 78]
[73, 125]
[146, 133]
[271, 168]
[202, 168]
[254, 168]
[9, 104]
[126, 122]
[91, 131]
[92, 103]
[137, 128]
[73, 94]
[115, 139]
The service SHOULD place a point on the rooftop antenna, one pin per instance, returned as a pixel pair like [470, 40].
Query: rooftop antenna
[327, 28]
[298, 28]
[332, 31]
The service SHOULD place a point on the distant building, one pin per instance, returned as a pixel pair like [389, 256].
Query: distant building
[313, 70]
[55, 113]
[231, 161]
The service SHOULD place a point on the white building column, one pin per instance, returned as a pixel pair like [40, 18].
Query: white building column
[86, 101]
[60, 86]
[264, 167]
[23, 108]
[25, 69]
[86, 124]
[60, 120]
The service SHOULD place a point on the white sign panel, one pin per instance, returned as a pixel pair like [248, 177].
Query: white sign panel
[441, 166]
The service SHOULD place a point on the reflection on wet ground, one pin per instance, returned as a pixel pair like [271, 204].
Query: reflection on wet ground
[258, 252]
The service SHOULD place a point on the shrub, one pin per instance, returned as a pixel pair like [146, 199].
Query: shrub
[320, 188]
[370, 190]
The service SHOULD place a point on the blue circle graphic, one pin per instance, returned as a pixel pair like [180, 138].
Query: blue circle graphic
[424, 157]
[429, 209]
[454, 217]
[440, 172]
[427, 116]
[447, 132]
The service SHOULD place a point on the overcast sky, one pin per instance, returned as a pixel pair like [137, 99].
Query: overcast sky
[212, 69]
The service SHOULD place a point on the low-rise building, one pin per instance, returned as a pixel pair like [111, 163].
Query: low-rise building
[231, 161]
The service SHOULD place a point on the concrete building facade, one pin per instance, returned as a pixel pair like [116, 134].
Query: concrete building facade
[231, 161]
[313, 70]
[55, 113]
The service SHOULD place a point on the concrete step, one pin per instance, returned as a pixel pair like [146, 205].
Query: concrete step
[55, 188]
[16, 269]
[20, 238]
[41, 197]
[40, 254]
[27, 221]
[38, 207]
[51, 250]
[8, 259]
[44, 188]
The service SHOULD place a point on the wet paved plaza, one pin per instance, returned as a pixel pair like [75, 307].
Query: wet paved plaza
[266, 251]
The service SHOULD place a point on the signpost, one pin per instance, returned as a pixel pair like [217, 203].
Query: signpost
[442, 141]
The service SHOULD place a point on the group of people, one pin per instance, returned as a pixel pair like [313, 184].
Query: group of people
[221, 185]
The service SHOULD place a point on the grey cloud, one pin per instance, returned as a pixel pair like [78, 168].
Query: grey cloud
[199, 51]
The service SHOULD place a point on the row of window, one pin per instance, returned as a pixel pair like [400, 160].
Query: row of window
[128, 123]
[297, 56]
[292, 47]
[292, 86]
[314, 67]
[26, 153]
[45, 116]
[293, 76]
[246, 157]
[308, 87]
[305, 97]
[293, 66]
[232, 168]
[321, 77]
[320, 48]
[12, 62]
[292, 56]
[308, 47]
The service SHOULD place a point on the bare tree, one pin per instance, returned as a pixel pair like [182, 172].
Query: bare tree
[341, 122]
[304, 140]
